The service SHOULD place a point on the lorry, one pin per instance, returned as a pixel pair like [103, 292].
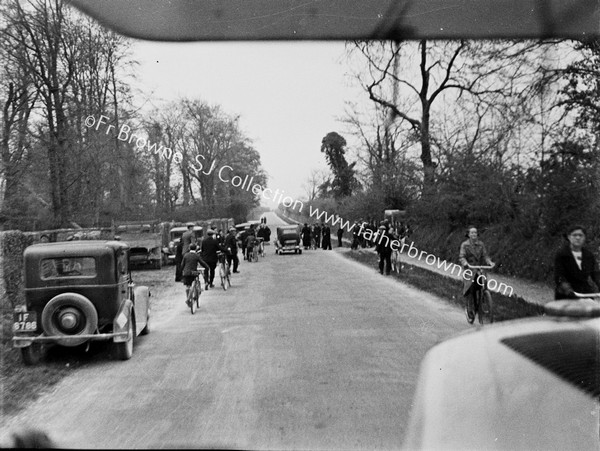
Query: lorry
[147, 240]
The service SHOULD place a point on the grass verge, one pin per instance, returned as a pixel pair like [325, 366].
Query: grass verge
[505, 307]
[20, 384]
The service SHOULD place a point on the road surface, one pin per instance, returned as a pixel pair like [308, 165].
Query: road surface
[311, 351]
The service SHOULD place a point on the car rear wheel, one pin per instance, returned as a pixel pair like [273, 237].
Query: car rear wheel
[69, 314]
[124, 349]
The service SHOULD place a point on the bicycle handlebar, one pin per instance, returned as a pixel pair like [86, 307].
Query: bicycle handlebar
[480, 267]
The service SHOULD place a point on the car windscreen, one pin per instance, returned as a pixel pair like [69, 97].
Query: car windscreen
[67, 267]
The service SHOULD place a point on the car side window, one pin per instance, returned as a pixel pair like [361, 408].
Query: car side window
[122, 263]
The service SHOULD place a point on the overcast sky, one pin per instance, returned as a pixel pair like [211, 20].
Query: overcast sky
[289, 95]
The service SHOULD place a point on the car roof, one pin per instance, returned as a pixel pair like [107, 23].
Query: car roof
[87, 247]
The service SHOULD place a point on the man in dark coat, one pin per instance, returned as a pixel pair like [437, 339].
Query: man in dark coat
[178, 259]
[231, 245]
[384, 250]
[305, 236]
[208, 249]
[243, 237]
[317, 235]
[188, 237]
[575, 267]
[326, 231]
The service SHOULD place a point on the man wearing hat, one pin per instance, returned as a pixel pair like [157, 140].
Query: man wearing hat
[231, 245]
[384, 250]
[188, 238]
[209, 248]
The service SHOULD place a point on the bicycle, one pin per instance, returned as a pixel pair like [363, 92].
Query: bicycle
[483, 305]
[261, 247]
[193, 298]
[224, 272]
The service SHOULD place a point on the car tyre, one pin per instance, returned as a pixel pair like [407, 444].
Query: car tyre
[78, 301]
[124, 349]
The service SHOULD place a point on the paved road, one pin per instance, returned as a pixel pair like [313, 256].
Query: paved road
[310, 351]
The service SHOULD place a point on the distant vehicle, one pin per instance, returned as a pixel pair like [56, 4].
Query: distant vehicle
[288, 239]
[175, 237]
[76, 292]
[146, 239]
[524, 384]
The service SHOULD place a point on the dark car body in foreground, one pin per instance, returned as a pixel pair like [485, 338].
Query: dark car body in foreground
[521, 385]
[76, 292]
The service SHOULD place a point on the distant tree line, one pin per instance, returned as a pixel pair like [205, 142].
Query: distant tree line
[57, 68]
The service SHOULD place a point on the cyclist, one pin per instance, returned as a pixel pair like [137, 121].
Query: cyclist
[575, 267]
[209, 248]
[251, 246]
[189, 265]
[472, 252]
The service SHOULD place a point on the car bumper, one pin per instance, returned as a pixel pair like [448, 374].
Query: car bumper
[22, 341]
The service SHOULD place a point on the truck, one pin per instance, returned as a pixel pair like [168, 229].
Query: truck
[147, 241]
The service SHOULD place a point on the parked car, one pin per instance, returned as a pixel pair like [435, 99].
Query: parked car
[288, 239]
[175, 237]
[77, 292]
[525, 384]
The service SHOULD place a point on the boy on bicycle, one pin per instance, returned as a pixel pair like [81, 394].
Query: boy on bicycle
[251, 245]
[189, 266]
[472, 252]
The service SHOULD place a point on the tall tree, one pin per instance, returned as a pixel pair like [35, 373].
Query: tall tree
[333, 145]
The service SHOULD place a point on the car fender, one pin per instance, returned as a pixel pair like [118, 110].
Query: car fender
[141, 294]
[122, 319]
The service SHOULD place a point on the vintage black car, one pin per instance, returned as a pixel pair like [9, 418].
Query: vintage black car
[288, 239]
[76, 292]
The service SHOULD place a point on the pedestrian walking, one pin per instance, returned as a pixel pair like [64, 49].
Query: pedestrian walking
[340, 234]
[326, 232]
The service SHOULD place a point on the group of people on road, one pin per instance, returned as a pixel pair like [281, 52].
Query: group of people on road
[251, 237]
[370, 232]
[317, 236]
[192, 252]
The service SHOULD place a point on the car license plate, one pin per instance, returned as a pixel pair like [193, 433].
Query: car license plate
[25, 322]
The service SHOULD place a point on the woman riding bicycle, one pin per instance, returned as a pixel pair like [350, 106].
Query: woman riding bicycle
[472, 253]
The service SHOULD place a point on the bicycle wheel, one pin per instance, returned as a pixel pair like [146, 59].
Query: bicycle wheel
[223, 275]
[471, 306]
[193, 298]
[197, 295]
[486, 308]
